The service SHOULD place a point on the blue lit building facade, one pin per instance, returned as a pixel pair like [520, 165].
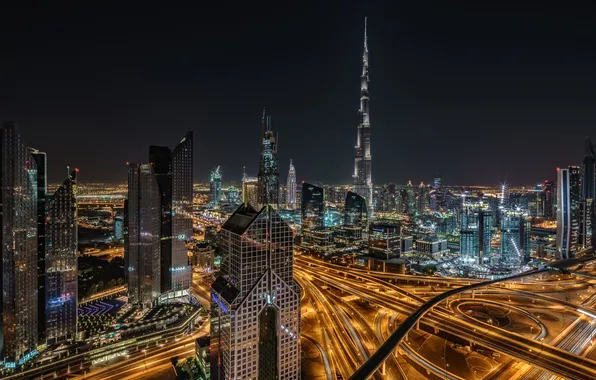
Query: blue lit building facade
[515, 238]
[61, 280]
[568, 211]
[313, 207]
[215, 187]
[18, 249]
[476, 224]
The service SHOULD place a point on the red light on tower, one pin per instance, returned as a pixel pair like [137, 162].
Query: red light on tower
[77, 170]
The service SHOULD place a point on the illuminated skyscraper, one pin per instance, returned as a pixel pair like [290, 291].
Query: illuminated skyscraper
[550, 194]
[174, 173]
[476, 231]
[291, 187]
[515, 238]
[586, 238]
[355, 212]
[313, 207]
[40, 159]
[255, 303]
[268, 180]
[143, 244]
[18, 248]
[215, 188]
[568, 211]
[363, 160]
[182, 197]
[61, 244]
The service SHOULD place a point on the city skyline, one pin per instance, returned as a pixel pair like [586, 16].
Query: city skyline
[457, 85]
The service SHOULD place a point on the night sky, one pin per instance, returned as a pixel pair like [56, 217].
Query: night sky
[480, 93]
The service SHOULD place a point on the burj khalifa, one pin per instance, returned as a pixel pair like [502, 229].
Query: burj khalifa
[363, 160]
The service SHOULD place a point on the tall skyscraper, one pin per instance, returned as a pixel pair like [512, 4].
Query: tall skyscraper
[255, 303]
[143, 244]
[355, 212]
[291, 187]
[550, 195]
[174, 173]
[568, 211]
[268, 180]
[182, 197]
[363, 160]
[515, 238]
[313, 207]
[18, 242]
[476, 231]
[215, 187]
[61, 244]
[587, 217]
[575, 194]
[160, 160]
[40, 159]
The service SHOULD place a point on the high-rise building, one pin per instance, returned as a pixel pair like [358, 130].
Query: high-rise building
[291, 187]
[355, 212]
[363, 160]
[575, 194]
[61, 262]
[421, 198]
[143, 243]
[182, 197]
[40, 159]
[174, 172]
[568, 211]
[118, 228]
[268, 179]
[313, 207]
[437, 181]
[587, 216]
[515, 238]
[160, 160]
[18, 242]
[476, 231]
[550, 195]
[215, 187]
[409, 199]
[255, 303]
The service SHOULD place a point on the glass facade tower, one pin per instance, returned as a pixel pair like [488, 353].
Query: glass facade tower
[476, 231]
[142, 249]
[61, 244]
[255, 303]
[215, 187]
[268, 178]
[40, 159]
[18, 248]
[291, 187]
[174, 173]
[355, 212]
[515, 238]
[312, 207]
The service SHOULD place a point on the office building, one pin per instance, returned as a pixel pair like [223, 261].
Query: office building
[437, 181]
[384, 240]
[118, 228]
[255, 303]
[143, 244]
[587, 216]
[18, 242]
[550, 195]
[568, 211]
[291, 187]
[268, 178]
[61, 244]
[476, 224]
[173, 170]
[215, 187]
[355, 211]
[313, 207]
[515, 238]
[40, 159]
[363, 160]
